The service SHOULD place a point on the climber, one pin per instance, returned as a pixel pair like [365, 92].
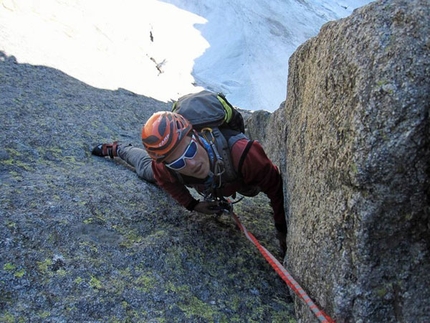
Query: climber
[176, 156]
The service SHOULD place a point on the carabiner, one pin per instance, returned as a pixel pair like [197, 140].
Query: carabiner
[204, 131]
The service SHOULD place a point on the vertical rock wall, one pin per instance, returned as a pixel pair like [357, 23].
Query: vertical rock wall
[354, 137]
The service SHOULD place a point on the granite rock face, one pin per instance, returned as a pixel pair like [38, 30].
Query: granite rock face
[353, 144]
[83, 239]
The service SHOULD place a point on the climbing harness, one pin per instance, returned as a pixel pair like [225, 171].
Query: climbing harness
[280, 270]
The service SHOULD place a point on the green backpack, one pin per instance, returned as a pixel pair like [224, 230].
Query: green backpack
[219, 123]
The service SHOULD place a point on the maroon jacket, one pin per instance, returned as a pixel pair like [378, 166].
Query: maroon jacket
[256, 170]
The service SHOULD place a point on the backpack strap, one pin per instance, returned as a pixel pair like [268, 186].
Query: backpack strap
[223, 166]
[225, 139]
[232, 140]
[242, 158]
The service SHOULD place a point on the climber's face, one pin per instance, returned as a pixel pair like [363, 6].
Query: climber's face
[189, 158]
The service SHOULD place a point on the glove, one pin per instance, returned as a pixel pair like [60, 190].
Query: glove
[208, 207]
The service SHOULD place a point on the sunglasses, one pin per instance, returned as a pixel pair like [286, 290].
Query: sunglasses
[189, 153]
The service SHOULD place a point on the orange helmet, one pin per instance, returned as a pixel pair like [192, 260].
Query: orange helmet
[163, 132]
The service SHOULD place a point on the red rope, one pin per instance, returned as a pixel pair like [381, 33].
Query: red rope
[284, 274]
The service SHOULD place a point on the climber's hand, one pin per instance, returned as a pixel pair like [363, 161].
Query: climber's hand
[208, 207]
[214, 207]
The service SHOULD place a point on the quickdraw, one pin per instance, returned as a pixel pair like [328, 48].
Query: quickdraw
[219, 167]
